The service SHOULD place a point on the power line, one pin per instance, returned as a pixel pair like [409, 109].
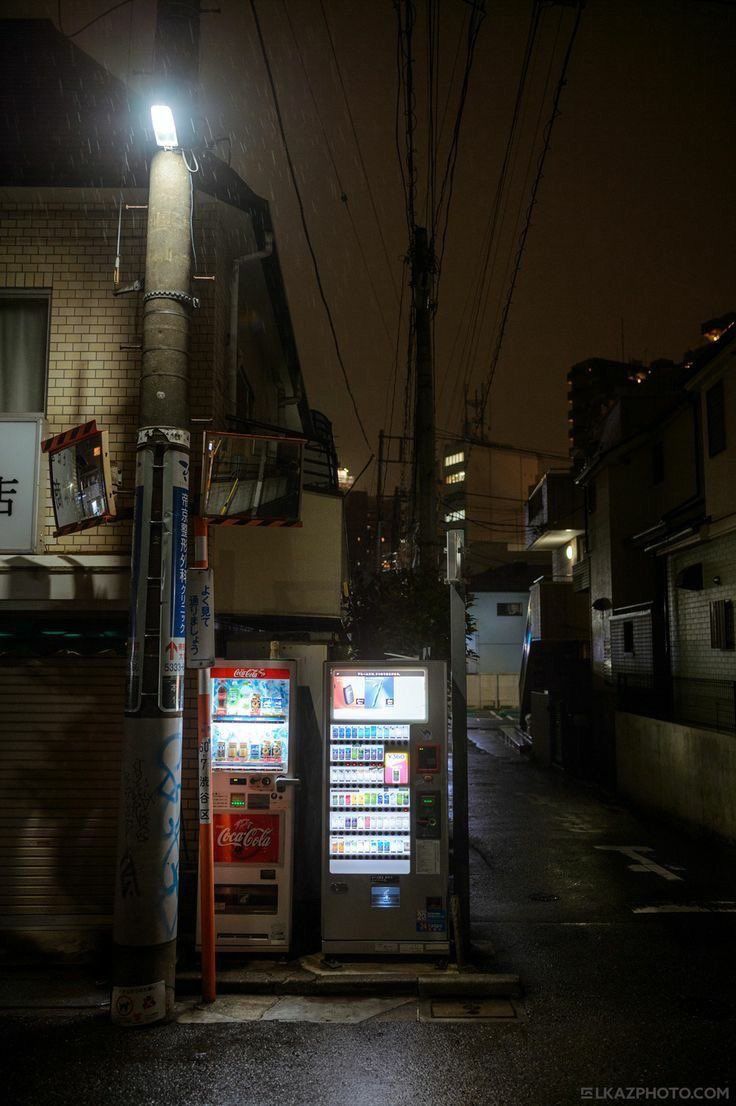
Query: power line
[96, 19]
[522, 192]
[359, 149]
[343, 193]
[303, 217]
[448, 180]
[406, 82]
[483, 278]
[535, 188]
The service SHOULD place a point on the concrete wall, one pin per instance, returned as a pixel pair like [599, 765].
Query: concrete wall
[682, 771]
[498, 690]
[499, 638]
[282, 571]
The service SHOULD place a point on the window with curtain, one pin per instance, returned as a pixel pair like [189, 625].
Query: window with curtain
[24, 321]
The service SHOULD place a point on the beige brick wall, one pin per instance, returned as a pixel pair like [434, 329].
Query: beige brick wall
[67, 248]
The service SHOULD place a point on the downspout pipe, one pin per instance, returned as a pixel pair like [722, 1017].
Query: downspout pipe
[232, 366]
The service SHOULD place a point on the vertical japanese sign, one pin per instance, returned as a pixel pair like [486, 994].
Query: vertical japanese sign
[20, 448]
[175, 523]
[200, 618]
[139, 564]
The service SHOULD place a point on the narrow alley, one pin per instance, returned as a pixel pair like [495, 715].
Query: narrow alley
[621, 929]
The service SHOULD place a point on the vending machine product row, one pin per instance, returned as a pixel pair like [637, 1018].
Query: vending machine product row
[384, 886]
[253, 710]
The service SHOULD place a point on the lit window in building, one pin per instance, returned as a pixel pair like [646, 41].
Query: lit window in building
[454, 477]
[454, 459]
[455, 516]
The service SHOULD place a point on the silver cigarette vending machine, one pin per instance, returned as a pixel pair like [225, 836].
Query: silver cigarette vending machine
[253, 757]
[384, 860]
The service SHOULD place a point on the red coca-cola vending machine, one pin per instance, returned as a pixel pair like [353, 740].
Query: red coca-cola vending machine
[253, 796]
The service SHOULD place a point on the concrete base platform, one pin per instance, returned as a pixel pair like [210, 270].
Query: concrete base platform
[312, 975]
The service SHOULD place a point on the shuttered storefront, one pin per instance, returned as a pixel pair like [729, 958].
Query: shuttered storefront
[61, 723]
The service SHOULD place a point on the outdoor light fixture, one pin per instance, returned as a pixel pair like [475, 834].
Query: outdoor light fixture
[164, 127]
[568, 552]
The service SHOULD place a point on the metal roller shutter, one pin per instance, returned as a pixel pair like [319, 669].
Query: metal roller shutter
[61, 724]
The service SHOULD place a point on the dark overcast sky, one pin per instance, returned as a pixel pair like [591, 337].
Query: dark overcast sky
[635, 214]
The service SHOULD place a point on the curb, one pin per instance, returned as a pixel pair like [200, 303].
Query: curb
[471, 984]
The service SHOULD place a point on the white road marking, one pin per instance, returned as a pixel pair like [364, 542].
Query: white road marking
[641, 863]
[687, 908]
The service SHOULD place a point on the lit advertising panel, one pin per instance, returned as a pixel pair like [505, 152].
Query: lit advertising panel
[246, 838]
[392, 695]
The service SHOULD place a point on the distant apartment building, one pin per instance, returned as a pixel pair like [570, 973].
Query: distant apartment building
[484, 486]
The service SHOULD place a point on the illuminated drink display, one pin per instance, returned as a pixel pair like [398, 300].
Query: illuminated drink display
[385, 852]
[253, 725]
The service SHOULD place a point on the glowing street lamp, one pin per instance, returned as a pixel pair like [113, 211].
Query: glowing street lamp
[164, 127]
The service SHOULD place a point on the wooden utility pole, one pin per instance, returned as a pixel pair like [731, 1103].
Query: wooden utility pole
[425, 471]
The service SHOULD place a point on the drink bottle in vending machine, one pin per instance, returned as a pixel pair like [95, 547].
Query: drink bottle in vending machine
[385, 852]
[253, 796]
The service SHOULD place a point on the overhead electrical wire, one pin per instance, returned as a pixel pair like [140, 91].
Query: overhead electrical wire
[305, 228]
[442, 217]
[359, 149]
[523, 192]
[525, 232]
[91, 22]
[482, 280]
[343, 193]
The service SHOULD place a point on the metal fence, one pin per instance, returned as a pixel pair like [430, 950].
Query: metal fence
[635, 693]
[701, 702]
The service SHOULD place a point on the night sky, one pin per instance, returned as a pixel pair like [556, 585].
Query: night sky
[631, 243]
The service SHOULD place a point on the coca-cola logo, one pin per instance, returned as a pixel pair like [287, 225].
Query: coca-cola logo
[250, 673]
[243, 834]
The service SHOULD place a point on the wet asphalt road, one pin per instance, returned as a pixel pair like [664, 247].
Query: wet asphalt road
[614, 997]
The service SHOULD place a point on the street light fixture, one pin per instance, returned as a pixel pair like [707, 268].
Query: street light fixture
[164, 127]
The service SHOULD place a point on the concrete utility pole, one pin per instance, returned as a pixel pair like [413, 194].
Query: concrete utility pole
[147, 870]
[379, 500]
[460, 802]
[425, 470]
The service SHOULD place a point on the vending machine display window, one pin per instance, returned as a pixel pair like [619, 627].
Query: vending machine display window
[385, 844]
[369, 792]
[365, 696]
[250, 719]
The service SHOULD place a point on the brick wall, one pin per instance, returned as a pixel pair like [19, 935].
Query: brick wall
[67, 248]
[692, 655]
[638, 661]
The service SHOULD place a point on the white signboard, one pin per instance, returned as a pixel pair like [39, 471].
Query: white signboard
[20, 452]
[200, 618]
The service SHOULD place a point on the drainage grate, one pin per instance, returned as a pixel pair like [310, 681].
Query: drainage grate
[469, 1009]
[544, 896]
